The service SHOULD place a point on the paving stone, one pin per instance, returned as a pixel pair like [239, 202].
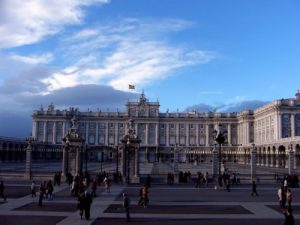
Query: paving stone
[29, 220]
[159, 221]
[181, 209]
[49, 206]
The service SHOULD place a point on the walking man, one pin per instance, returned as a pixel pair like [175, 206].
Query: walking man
[254, 191]
[2, 188]
[32, 188]
[87, 201]
[126, 205]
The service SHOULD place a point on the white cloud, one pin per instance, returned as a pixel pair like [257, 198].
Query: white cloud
[26, 22]
[33, 59]
[126, 51]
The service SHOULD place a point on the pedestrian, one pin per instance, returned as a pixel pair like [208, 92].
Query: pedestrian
[80, 204]
[289, 197]
[107, 184]
[140, 202]
[87, 202]
[289, 218]
[228, 184]
[2, 188]
[281, 193]
[50, 189]
[32, 188]
[145, 196]
[126, 205]
[41, 194]
[254, 191]
[94, 188]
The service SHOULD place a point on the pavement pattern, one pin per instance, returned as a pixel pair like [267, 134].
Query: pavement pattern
[176, 205]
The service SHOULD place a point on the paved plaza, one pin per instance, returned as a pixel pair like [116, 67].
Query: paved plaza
[176, 205]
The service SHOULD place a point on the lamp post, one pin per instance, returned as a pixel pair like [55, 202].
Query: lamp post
[220, 139]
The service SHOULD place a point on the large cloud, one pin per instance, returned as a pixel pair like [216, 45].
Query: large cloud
[88, 67]
[15, 119]
[26, 22]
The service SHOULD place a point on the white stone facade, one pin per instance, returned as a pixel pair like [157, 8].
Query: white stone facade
[273, 128]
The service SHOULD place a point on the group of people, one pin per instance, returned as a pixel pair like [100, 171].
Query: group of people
[284, 194]
[201, 180]
[45, 191]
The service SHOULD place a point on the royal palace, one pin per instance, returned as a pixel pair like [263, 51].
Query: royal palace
[185, 138]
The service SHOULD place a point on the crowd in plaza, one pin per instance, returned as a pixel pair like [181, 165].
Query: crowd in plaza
[84, 188]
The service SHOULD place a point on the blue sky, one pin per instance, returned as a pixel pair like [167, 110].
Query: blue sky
[84, 53]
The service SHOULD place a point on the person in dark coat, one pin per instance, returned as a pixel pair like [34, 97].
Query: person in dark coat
[289, 218]
[126, 205]
[81, 204]
[254, 191]
[2, 188]
[87, 201]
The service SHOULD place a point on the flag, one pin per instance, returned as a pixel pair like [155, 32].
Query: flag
[131, 86]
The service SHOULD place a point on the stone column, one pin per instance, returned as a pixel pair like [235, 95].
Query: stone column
[292, 125]
[177, 138]
[136, 163]
[197, 134]
[167, 135]
[116, 134]
[78, 159]
[146, 133]
[229, 134]
[291, 160]
[146, 155]
[175, 165]
[187, 133]
[106, 134]
[156, 134]
[87, 133]
[279, 126]
[45, 131]
[65, 161]
[123, 162]
[206, 134]
[253, 162]
[28, 164]
[54, 133]
[215, 162]
[97, 134]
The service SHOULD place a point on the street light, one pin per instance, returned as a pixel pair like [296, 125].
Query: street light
[220, 139]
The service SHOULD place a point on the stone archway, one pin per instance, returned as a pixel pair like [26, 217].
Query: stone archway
[282, 156]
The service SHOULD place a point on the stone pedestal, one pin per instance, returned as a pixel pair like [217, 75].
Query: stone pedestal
[215, 163]
[71, 152]
[28, 165]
